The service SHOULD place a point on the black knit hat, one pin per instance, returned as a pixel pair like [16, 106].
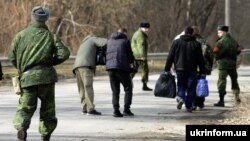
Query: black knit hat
[223, 28]
[189, 30]
[40, 13]
[145, 24]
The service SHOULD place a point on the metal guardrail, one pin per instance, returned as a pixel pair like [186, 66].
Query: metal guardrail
[151, 56]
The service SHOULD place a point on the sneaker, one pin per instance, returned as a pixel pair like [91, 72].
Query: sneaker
[117, 113]
[128, 113]
[94, 112]
[219, 104]
[21, 135]
[194, 108]
[179, 105]
[189, 110]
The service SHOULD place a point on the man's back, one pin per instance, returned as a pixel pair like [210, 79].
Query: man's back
[139, 44]
[119, 53]
[227, 53]
[87, 51]
[185, 53]
[36, 50]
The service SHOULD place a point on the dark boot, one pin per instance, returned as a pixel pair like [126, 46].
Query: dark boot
[127, 112]
[117, 113]
[221, 102]
[146, 88]
[237, 96]
[22, 134]
[46, 138]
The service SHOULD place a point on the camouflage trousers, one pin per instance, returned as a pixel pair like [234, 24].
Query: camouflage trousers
[27, 106]
[222, 81]
[143, 65]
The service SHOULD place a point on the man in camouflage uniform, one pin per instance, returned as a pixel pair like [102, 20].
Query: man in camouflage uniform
[34, 51]
[226, 50]
[139, 46]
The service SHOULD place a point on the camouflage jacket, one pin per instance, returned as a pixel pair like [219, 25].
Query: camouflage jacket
[139, 44]
[226, 52]
[34, 51]
[207, 53]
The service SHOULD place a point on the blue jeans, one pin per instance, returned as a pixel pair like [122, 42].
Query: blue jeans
[186, 85]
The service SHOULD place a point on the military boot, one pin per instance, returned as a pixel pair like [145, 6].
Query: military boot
[22, 134]
[221, 101]
[146, 88]
[237, 96]
[45, 138]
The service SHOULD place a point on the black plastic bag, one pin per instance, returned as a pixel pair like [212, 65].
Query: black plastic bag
[165, 86]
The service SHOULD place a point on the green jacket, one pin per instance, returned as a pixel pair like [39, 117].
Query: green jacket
[86, 53]
[34, 51]
[207, 53]
[227, 52]
[139, 44]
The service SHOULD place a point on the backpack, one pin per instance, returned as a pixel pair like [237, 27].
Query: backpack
[101, 55]
[207, 55]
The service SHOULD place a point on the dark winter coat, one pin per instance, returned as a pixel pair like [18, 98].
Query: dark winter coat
[186, 54]
[119, 54]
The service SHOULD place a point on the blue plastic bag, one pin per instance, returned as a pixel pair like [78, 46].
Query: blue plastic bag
[202, 87]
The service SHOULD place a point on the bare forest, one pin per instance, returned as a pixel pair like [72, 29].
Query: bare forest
[72, 20]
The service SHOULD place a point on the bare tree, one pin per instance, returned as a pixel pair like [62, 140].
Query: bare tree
[73, 20]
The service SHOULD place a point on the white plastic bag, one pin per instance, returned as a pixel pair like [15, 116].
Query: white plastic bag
[16, 84]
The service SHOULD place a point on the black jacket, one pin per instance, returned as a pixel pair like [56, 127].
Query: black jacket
[186, 54]
[119, 54]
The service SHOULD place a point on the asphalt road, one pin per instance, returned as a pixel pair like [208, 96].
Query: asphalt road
[156, 119]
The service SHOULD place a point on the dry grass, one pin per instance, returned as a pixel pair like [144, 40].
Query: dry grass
[65, 70]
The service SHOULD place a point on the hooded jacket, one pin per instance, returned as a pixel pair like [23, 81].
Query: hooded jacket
[186, 54]
[119, 54]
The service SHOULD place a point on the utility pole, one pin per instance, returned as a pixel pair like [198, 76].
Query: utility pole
[227, 12]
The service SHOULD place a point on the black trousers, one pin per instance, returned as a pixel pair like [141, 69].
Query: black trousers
[118, 77]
